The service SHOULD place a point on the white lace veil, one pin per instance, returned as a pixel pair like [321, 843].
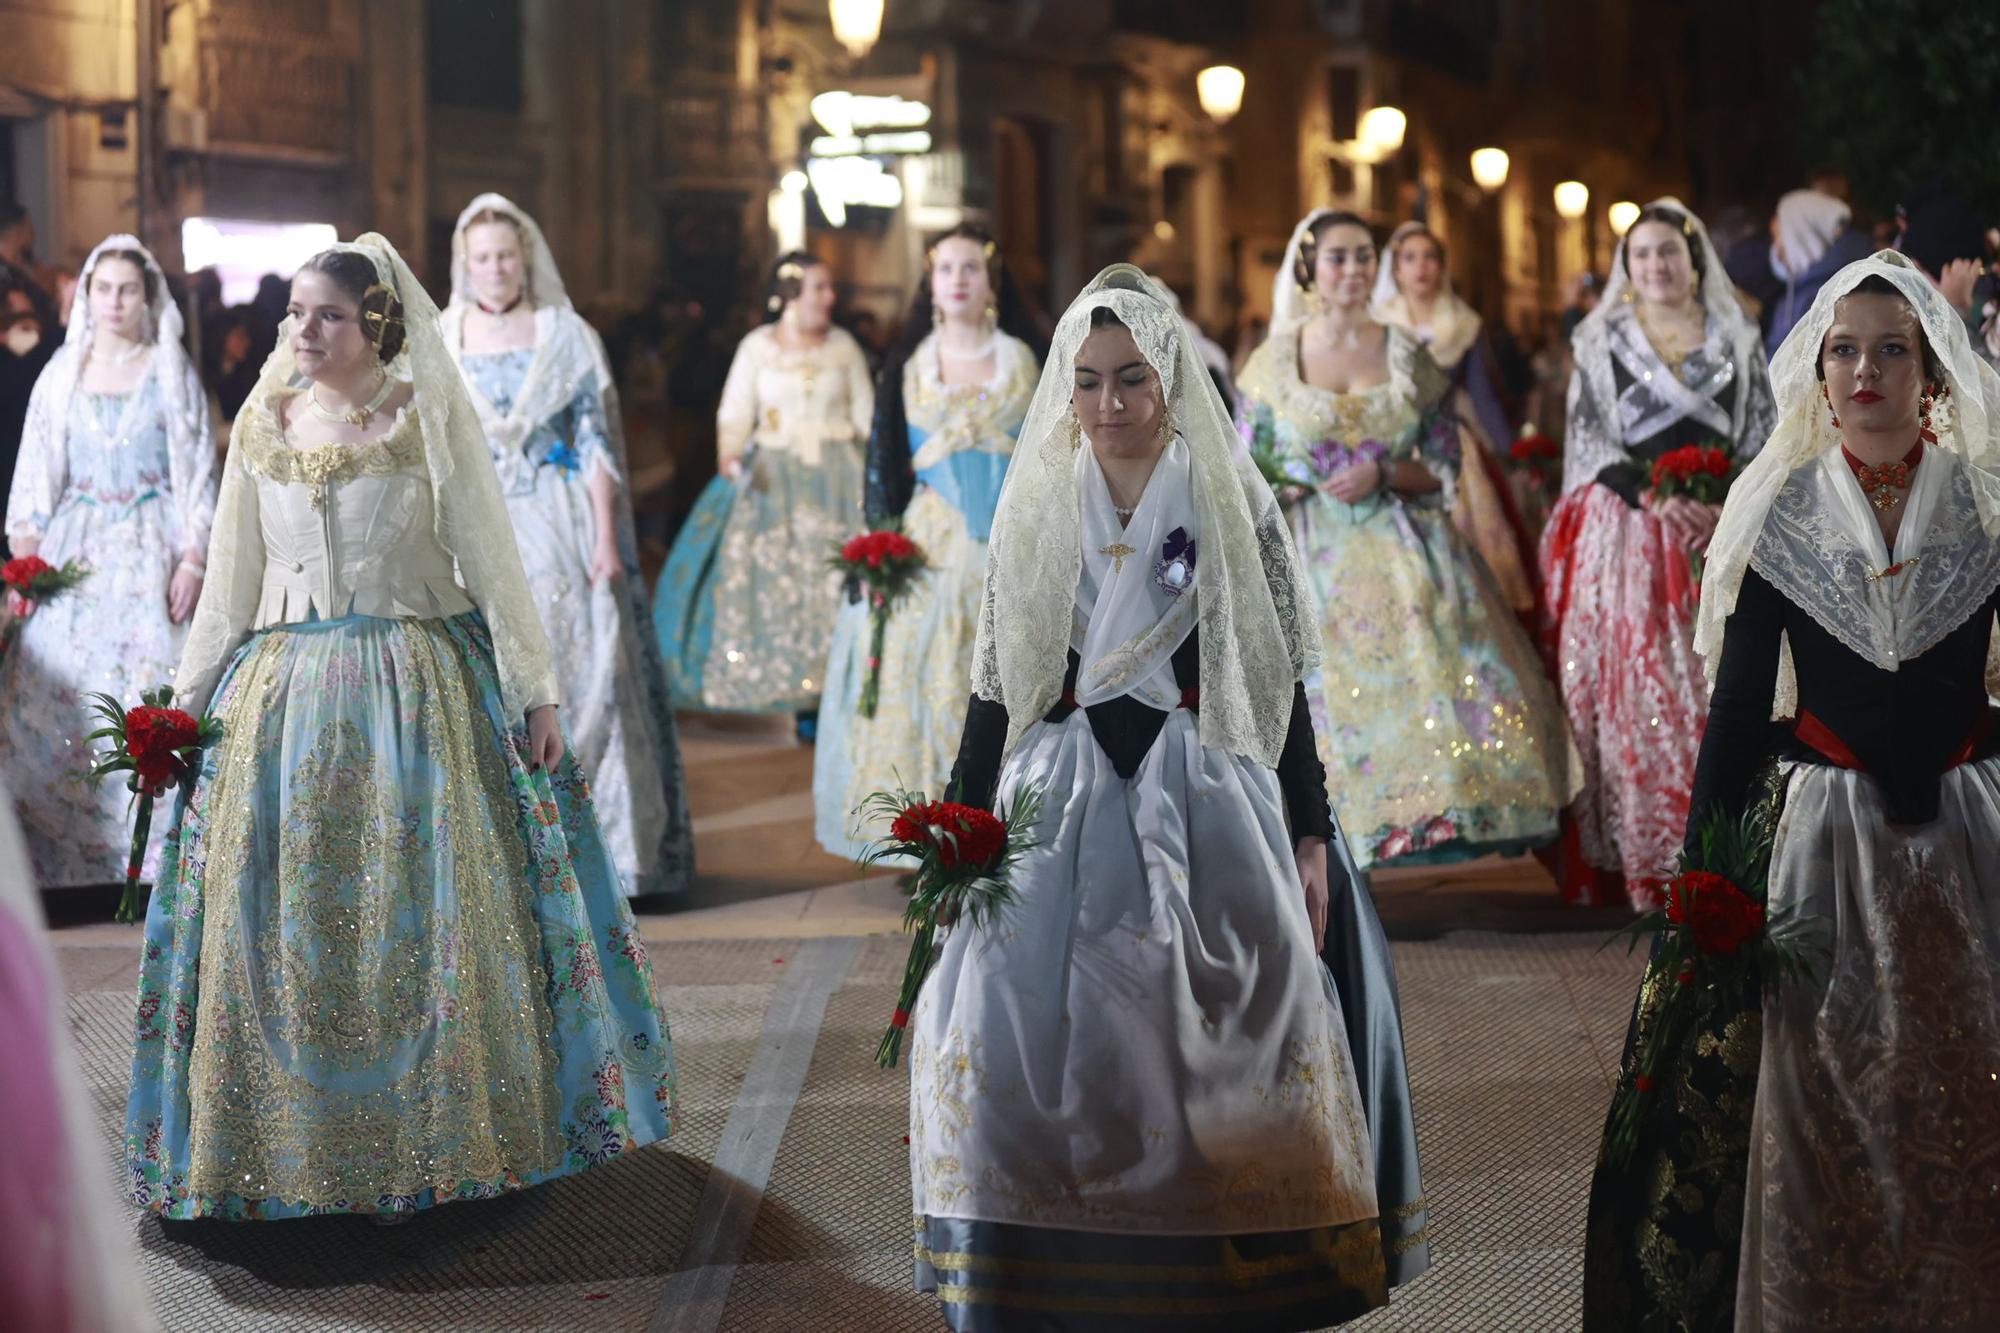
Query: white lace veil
[1591, 444]
[1454, 324]
[190, 431]
[568, 352]
[1288, 299]
[470, 522]
[1967, 422]
[1258, 625]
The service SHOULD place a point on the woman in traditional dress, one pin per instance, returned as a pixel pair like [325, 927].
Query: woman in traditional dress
[1133, 1103]
[1413, 293]
[950, 401]
[1667, 359]
[116, 472]
[541, 383]
[1853, 587]
[746, 604]
[1441, 735]
[388, 964]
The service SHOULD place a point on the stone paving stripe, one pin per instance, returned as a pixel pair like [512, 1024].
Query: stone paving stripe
[695, 1297]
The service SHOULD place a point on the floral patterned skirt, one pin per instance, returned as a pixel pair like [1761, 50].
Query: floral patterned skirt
[1621, 601]
[1441, 734]
[417, 979]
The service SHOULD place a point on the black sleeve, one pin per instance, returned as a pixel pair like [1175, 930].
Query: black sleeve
[1740, 736]
[890, 478]
[977, 772]
[1626, 480]
[1301, 776]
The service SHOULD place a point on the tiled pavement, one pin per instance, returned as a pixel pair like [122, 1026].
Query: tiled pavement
[776, 1006]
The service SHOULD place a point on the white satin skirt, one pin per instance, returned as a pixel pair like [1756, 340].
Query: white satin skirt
[1874, 1183]
[1145, 1041]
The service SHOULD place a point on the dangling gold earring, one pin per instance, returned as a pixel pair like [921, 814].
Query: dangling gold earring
[1629, 296]
[992, 315]
[937, 315]
[1315, 303]
[1828, 396]
[1073, 427]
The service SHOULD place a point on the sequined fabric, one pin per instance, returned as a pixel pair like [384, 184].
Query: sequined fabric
[1440, 733]
[417, 982]
[615, 714]
[109, 634]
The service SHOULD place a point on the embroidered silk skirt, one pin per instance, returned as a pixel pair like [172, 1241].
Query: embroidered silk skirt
[926, 682]
[1132, 1104]
[746, 604]
[1621, 599]
[1440, 732]
[1875, 1144]
[387, 965]
[615, 712]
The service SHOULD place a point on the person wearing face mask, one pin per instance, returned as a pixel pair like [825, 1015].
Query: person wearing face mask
[388, 964]
[952, 395]
[1134, 1091]
[1441, 736]
[116, 472]
[1853, 590]
[1667, 359]
[746, 604]
[1413, 292]
[538, 376]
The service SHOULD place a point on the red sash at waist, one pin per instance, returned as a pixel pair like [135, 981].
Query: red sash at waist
[1827, 743]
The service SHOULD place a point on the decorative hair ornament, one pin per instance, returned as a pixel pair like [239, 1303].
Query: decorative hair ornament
[379, 321]
[791, 271]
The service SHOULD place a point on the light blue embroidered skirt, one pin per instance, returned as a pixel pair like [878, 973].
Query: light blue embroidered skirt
[387, 964]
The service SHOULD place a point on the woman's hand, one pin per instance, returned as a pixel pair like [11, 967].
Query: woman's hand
[1689, 522]
[605, 565]
[1960, 276]
[1310, 854]
[732, 468]
[1355, 483]
[545, 742]
[184, 591]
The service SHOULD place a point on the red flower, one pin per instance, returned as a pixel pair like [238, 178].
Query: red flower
[1530, 448]
[874, 548]
[1643, 1083]
[976, 838]
[152, 737]
[1720, 915]
[21, 572]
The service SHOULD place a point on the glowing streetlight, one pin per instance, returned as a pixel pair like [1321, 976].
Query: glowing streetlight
[1382, 129]
[1622, 215]
[1220, 90]
[1572, 199]
[856, 24]
[1489, 168]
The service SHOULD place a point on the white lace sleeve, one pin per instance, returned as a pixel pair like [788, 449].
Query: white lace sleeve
[737, 416]
[860, 393]
[1590, 439]
[193, 464]
[229, 592]
[474, 528]
[41, 469]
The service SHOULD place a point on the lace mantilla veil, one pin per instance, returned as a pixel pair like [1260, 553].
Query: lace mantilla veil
[1454, 324]
[1258, 624]
[470, 517]
[1966, 423]
[568, 352]
[1591, 444]
[38, 478]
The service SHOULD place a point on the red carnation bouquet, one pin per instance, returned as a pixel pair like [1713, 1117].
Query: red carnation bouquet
[160, 746]
[1698, 472]
[886, 563]
[964, 856]
[1719, 950]
[1536, 458]
[31, 581]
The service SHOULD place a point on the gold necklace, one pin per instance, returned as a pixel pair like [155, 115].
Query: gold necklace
[1669, 348]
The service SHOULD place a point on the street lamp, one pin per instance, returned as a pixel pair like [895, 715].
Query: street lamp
[1220, 90]
[1489, 168]
[856, 24]
[1622, 215]
[1381, 130]
[1572, 200]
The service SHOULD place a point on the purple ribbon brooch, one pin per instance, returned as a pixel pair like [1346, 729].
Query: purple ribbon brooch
[1174, 570]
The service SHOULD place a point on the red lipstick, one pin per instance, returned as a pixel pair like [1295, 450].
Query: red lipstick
[1867, 396]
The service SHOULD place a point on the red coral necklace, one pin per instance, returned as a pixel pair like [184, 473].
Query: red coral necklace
[1886, 485]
